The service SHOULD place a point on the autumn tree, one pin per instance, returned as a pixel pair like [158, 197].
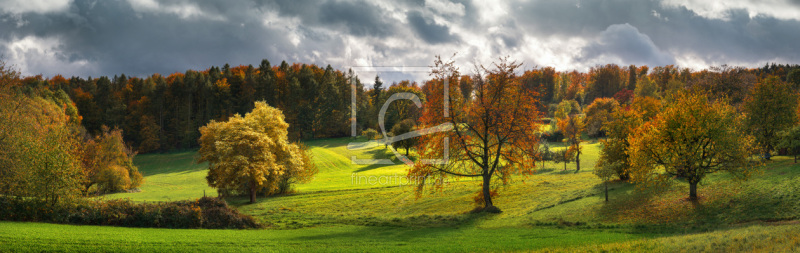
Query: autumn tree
[492, 137]
[108, 162]
[598, 113]
[251, 153]
[770, 108]
[572, 127]
[605, 81]
[646, 88]
[614, 154]
[691, 138]
[37, 140]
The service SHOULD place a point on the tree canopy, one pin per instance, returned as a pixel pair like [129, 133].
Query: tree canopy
[251, 153]
[691, 138]
[491, 134]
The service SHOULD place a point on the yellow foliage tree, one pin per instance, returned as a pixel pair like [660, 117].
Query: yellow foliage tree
[691, 138]
[252, 153]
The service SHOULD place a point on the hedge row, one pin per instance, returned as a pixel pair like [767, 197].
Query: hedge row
[205, 212]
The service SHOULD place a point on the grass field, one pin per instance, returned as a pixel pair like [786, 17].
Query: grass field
[553, 210]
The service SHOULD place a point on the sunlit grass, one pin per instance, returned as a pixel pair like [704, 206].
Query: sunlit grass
[552, 201]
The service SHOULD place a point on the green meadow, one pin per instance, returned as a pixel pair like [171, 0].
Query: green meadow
[552, 210]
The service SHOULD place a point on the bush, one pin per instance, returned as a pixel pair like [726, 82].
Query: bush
[553, 136]
[370, 133]
[202, 213]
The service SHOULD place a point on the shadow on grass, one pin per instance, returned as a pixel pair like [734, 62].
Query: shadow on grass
[415, 226]
[383, 154]
[720, 206]
[168, 163]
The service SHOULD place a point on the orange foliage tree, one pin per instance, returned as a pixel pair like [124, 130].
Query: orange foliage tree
[493, 134]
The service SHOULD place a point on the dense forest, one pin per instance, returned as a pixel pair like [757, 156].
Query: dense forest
[162, 113]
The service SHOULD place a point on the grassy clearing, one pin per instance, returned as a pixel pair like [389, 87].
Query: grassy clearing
[555, 209]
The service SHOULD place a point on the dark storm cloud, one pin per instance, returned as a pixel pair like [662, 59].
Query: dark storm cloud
[360, 18]
[120, 40]
[428, 30]
[140, 37]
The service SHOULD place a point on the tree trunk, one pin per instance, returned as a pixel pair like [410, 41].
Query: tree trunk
[407, 148]
[693, 191]
[487, 194]
[252, 194]
[578, 161]
[606, 183]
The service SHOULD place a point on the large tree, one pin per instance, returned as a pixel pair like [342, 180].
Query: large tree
[691, 138]
[770, 108]
[493, 134]
[250, 153]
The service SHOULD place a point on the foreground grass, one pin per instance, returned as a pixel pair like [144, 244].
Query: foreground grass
[51, 237]
[553, 210]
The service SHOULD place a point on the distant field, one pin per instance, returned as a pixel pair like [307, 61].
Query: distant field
[553, 210]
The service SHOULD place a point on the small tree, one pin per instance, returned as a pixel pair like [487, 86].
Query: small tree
[790, 139]
[108, 163]
[606, 172]
[572, 127]
[370, 134]
[690, 139]
[770, 108]
[403, 127]
[545, 154]
[250, 153]
[625, 121]
[563, 156]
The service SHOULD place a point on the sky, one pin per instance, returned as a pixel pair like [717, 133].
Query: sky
[395, 39]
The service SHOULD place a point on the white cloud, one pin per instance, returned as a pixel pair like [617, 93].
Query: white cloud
[782, 9]
[38, 6]
[36, 55]
[445, 7]
[184, 10]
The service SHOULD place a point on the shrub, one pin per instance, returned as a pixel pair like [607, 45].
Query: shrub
[202, 213]
[370, 133]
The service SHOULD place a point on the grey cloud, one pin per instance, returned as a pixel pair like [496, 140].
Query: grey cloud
[112, 37]
[626, 43]
[428, 30]
[360, 18]
[678, 30]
